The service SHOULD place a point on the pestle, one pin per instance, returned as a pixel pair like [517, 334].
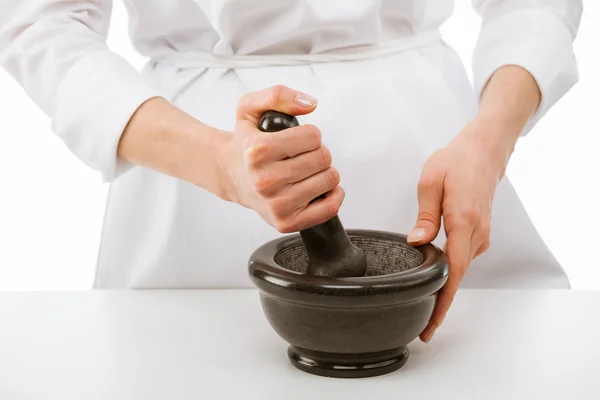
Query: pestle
[330, 251]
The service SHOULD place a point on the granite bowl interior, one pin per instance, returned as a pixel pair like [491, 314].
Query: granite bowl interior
[385, 256]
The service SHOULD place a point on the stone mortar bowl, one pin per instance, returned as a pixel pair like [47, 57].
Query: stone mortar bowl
[349, 327]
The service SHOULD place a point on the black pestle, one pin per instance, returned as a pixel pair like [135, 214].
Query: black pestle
[330, 251]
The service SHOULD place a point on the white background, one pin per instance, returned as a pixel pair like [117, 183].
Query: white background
[51, 205]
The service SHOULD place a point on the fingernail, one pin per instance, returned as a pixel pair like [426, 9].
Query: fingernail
[305, 100]
[416, 235]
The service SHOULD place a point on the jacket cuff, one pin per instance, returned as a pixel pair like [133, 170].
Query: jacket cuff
[535, 40]
[94, 103]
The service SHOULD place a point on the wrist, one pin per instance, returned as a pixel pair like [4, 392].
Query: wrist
[497, 132]
[225, 179]
[503, 129]
[495, 142]
[205, 149]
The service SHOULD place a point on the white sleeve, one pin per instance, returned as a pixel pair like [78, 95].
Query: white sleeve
[535, 35]
[56, 50]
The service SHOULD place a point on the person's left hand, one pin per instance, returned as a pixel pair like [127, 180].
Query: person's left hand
[458, 184]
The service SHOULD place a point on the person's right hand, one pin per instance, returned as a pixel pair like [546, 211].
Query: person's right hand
[278, 174]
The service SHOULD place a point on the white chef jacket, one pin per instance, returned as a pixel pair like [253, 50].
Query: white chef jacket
[361, 58]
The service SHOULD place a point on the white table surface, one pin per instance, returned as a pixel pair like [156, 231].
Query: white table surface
[218, 345]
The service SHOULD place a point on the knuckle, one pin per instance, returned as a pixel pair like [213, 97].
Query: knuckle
[276, 94]
[262, 182]
[332, 178]
[325, 157]
[284, 225]
[472, 215]
[458, 266]
[468, 216]
[257, 152]
[314, 133]
[427, 182]
[342, 196]
[485, 246]
[427, 216]
[245, 101]
[331, 209]
[278, 206]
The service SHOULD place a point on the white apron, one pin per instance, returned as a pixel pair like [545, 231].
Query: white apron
[382, 114]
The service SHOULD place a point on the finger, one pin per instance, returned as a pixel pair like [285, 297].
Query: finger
[315, 213]
[481, 238]
[270, 179]
[430, 193]
[304, 165]
[307, 190]
[290, 143]
[482, 248]
[280, 98]
[459, 251]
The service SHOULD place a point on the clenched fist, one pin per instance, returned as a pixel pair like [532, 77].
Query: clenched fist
[279, 174]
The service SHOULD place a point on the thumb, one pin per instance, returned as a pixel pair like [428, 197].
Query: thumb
[430, 195]
[280, 98]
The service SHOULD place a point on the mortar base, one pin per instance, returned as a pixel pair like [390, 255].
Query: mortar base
[347, 365]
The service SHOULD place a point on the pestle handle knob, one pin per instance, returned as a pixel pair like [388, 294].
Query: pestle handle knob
[330, 251]
[275, 121]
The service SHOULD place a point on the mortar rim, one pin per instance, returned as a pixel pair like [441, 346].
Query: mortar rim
[423, 280]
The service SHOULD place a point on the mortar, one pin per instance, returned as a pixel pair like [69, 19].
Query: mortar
[349, 327]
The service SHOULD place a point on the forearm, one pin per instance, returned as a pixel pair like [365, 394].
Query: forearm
[508, 101]
[162, 137]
